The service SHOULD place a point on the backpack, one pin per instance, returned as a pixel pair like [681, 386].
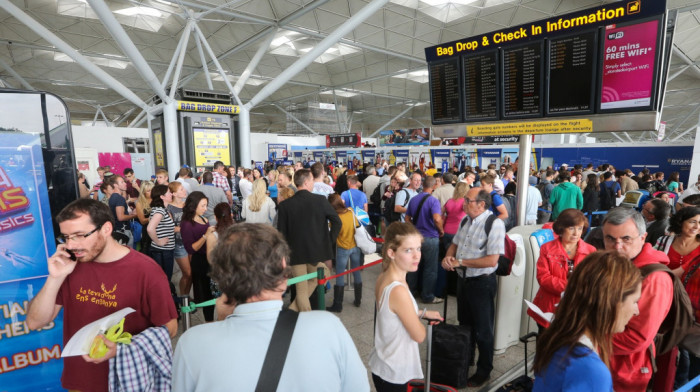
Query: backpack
[376, 196]
[389, 213]
[510, 203]
[542, 187]
[680, 317]
[505, 261]
[607, 197]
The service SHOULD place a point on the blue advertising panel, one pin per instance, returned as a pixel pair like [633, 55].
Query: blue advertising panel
[341, 154]
[665, 159]
[368, 155]
[318, 155]
[29, 360]
[441, 159]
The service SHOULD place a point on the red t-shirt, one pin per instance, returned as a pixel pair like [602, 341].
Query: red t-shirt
[94, 290]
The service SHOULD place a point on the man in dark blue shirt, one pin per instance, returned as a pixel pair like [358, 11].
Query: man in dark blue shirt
[119, 208]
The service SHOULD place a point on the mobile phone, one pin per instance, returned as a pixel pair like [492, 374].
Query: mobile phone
[72, 255]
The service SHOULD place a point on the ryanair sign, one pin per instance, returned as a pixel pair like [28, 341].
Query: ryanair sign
[204, 107]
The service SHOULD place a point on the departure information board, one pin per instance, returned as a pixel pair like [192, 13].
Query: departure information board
[592, 61]
[481, 86]
[572, 71]
[522, 81]
[445, 93]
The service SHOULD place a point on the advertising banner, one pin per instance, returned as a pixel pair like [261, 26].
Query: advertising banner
[405, 137]
[628, 66]
[29, 360]
[489, 156]
[276, 152]
[117, 161]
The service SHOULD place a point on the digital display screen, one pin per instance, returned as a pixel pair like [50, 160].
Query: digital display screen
[445, 93]
[522, 81]
[481, 86]
[211, 145]
[572, 72]
[628, 66]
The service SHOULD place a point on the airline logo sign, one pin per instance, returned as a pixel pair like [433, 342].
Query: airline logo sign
[203, 107]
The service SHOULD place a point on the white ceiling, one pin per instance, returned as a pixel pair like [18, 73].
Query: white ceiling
[377, 71]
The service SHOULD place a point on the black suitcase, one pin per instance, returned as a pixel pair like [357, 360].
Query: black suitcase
[428, 385]
[451, 353]
[523, 383]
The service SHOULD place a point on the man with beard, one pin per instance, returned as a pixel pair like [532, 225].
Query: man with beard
[92, 276]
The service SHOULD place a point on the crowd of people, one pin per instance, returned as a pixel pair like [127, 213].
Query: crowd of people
[237, 233]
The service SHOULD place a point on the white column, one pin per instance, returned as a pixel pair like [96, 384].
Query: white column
[171, 140]
[695, 163]
[523, 175]
[244, 136]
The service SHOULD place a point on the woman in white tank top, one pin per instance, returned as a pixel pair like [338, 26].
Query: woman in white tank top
[395, 359]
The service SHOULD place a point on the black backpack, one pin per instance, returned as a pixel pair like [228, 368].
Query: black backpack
[376, 196]
[389, 205]
[510, 202]
[607, 197]
[505, 261]
[680, 317]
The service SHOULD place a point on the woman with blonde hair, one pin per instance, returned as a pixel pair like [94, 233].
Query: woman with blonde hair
[258, 207]
[143, 211]
[600, 299]
[272, 188]
[395, 358]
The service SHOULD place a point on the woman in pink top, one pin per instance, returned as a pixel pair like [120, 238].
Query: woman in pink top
[452, 215]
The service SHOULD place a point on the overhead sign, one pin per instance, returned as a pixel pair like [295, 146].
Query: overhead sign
[532, 127]
[344, 140]
[204, 107]
[552, 67]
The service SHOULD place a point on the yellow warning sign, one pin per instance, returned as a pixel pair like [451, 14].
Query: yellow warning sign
[531, 128]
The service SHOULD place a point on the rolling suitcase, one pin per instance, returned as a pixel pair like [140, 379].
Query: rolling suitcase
[451, 353]
[425, 385]
[523, 383]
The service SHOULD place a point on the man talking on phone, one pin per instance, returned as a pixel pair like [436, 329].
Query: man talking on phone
[92, 276]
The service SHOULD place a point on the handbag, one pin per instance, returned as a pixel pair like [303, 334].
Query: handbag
[362, 238]
[361, 214]
[136, 230]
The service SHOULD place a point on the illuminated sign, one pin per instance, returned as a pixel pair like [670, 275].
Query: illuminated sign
[203, 107]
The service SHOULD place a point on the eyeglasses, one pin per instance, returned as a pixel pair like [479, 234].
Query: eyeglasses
[467, 200]
[625, 240]
[62, 239]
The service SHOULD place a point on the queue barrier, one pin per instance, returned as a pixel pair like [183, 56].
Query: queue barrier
[187, 307]
[689, 386]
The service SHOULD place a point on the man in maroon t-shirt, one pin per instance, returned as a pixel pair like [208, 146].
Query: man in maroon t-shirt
[92, 276]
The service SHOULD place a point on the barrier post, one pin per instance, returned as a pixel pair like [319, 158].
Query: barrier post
[185, 301]
[321, 290]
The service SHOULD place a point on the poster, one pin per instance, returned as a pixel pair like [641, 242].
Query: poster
[117, 161]
[29, 360]
[628, 65]
[211, 145]
[158, 148]
[276, 152]
[341, 156]
[419, 159]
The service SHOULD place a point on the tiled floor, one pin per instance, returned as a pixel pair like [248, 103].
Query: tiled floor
[359, 323]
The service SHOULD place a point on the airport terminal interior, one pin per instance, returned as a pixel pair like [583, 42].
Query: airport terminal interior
[346, 83]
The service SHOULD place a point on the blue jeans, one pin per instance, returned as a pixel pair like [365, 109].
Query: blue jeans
[475, 308]
[165, 259]
[429, 266]
[341, 262]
